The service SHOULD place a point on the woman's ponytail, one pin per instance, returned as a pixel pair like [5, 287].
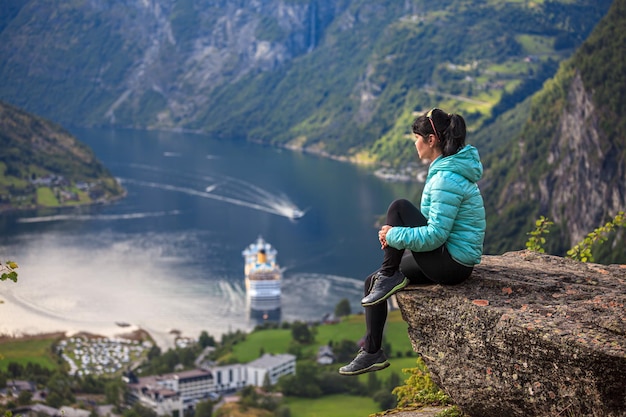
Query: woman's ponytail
[453, 137]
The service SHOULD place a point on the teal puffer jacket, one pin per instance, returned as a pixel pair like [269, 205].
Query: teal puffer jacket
[453, 206]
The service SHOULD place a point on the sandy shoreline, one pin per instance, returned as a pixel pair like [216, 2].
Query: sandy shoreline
[16, 320]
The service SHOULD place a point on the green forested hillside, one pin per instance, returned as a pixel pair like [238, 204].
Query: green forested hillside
[601, 61]
[338, 77]
[42, 165]
[359, 91]
[567, 161]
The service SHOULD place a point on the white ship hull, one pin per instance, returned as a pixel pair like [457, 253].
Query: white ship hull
[263, 290]
[262, 276]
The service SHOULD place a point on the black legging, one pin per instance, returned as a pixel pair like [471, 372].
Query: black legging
[436, 266]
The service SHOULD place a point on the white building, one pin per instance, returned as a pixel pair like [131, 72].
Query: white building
[171, 394]
[325, 355]
[273, 365]
[229, 377]
[190, 385]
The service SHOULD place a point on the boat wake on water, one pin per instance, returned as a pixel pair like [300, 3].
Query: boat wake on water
[229, 190]
[234, 191]
[280, 204]
[87, 217]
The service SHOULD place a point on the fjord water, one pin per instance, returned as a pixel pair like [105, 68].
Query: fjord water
[168, 255]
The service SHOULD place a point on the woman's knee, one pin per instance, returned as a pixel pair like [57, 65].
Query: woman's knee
[402, 212]
[399, 205]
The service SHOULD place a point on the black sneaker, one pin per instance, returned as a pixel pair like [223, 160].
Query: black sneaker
[365, 362]
[384, 287]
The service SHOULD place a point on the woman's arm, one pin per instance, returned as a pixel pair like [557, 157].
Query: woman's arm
[446, 196]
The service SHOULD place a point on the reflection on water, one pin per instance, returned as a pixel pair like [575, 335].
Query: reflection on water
[265, 316]
[263, 311]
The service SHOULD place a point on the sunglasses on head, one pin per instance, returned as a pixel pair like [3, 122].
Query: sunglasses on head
[432, 124]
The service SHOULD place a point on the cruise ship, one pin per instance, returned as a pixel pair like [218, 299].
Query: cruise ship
[262, 279]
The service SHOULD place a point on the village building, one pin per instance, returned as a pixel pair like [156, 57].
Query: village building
[15, 386]
[175, 393]
[273, 366]
[325, 355]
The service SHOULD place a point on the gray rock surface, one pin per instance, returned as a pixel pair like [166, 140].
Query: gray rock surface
[527, 335]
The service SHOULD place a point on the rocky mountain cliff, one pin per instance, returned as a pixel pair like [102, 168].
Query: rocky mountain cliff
[569, 161]
[527, 335]
[148, 63]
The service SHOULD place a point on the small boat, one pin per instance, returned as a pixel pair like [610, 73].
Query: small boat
[296, 214]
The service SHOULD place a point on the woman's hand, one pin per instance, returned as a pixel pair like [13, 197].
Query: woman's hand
[382, 235]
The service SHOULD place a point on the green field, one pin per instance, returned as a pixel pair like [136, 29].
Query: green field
[270, 341]
[33, 349]
[46, 197]
[332, 406]
[536, 44]
[350, 328]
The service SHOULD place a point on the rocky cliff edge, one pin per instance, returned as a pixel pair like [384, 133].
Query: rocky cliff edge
[527, 335]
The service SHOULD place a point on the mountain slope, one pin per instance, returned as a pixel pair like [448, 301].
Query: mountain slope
[338, 77]
[569, 161]
[42, 165]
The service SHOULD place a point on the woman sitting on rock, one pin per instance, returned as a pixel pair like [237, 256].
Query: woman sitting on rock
[438, 243]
